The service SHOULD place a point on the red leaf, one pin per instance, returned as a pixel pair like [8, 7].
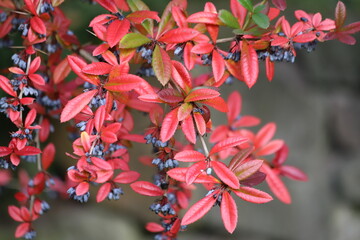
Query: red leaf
[229, 212]
[270, 148]
[227, 143]
[179, 35]
[194, 171]
[38, 79]
[77, 64]
[101, 163]
[97, 68]
[82, 188]
[22, 229]
[265, 134]
[28, 150]
[108, 5]
[276, 184]
[74, 106]
[218, 65]
[170, 95]
[146, 188]
[99, 117]
[181, 76]
[189, 156]
[189, 58]
[281, 156]
[103, 192]
[304, 38]
[218, 103]
[253, 195]
[234, 104]
[30, 117]
[139, 16]
[179, 17]
[48, 156]
[200, 123]
[169, 125]
[5, 85]
[280, 4]
[61, 71]
[293, 173]
[202, 48]
[127, 177]
[198, 210]
[161, 64]
[226, 176]
[38, 25]
[270, 68]
[247, 169]
[124, 83]
[249, 64]
[340, 14]
[188, 128]
[204, 17]
[15, 214]
[116, 30]
[201, 93]
[30, 5]
[108, 137]
[184, 111]
[154, 227]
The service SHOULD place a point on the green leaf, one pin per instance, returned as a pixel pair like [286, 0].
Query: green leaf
[161, 64]
[247, 4]
[133, 40]
[261, 20]
[259, 8]
[229, 19]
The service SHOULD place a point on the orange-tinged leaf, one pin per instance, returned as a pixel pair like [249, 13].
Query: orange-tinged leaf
[146, 188]
[227, 143]
[85, 141]
[75, 105]
[188, 128]
[253, 195]
[139, 16]
[201, 93]
[276, 184]
[249, 64]
[247, 169]
[61, 71]
[184, 111]
[169, 125]
[179, 35]
[198, 210]
[189, 156]
[103, 192]
[229, 212]
[161, 64]
[225, 175]
[116, 30]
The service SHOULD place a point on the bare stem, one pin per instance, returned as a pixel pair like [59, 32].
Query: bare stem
[223, 40]
[204, 145]
[37, 141]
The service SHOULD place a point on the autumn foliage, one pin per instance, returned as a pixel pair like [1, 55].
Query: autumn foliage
[144, 63]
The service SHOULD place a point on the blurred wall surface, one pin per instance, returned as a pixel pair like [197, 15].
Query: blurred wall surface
[315, 103]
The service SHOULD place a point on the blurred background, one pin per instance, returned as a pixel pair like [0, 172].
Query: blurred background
[315, 103]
